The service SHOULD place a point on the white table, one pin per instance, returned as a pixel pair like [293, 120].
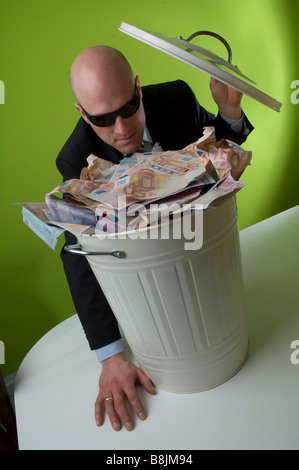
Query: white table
[57, 382]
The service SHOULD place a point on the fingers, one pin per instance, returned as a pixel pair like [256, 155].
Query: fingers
[135, 403]
[118, 413]
[118, 392]
[118, 403]
[117, 410]
[146, 382]
[98, 410]
[133, 398]
[103, 404]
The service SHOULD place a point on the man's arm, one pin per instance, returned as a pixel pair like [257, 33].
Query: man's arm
[95, 314]
[231, 123]
[119, 377]
[175, 117]
[92, 307]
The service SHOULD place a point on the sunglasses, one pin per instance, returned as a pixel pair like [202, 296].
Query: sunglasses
[126, 111]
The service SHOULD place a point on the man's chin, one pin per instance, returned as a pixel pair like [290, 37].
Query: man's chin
[129, 148]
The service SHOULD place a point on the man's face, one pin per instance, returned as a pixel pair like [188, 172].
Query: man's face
[125, 134]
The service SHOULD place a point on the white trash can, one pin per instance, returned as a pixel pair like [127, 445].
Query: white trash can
[181, 311]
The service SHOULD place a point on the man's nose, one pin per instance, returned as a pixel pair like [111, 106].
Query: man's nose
[121, 125]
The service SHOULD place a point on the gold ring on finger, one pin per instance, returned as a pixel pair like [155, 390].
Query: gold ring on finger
[108, 399]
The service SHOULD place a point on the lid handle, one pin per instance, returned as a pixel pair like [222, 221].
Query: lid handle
[215, 35]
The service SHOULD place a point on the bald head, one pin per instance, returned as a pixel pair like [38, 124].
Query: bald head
[103, 82]
[96, 70]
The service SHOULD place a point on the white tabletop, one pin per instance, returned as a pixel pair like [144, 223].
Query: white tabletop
[57, 382]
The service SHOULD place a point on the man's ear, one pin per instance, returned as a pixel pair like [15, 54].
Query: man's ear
[80, 110]
[137, 79]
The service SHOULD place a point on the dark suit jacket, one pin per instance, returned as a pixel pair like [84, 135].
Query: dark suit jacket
[175, 119]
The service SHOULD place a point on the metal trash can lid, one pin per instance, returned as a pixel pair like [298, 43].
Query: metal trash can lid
[203, 60]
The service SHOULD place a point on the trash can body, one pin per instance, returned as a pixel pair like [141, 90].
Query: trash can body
[181, 311]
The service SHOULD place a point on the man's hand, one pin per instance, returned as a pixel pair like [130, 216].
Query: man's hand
[227, 99]
[118, 380]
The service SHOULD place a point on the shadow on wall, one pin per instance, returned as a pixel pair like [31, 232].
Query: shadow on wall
[32, 310]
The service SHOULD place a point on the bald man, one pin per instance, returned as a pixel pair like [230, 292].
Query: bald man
[119, 117]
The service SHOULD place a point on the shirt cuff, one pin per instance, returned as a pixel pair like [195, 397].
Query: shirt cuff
[237, 125]
[109, 350]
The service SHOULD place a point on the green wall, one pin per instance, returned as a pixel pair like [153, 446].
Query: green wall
[38, 42]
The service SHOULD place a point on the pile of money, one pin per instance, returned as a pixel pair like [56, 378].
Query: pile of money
[143, 187]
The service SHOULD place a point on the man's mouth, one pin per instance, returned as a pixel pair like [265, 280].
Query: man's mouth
[127, 138]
